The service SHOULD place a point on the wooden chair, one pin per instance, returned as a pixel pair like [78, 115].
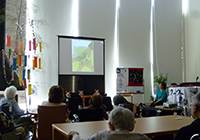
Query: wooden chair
[128, 95]
[83, 98]
[108, 103]
[48, 115]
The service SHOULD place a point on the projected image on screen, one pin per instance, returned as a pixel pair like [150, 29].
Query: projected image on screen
[82, 56]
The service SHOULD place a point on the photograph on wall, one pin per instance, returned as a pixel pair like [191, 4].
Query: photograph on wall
[135, 77]
[82, 56]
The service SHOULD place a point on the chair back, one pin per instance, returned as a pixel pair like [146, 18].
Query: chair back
[91, 114]
[5, 109]
[74, 102]
[108, 103]
[48, 115]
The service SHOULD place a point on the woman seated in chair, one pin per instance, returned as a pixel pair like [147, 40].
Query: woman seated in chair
[121, 123]
[96, 101]
[161, 95]
[56, 96]
[119, 100]
[9, 97]
[187, 132]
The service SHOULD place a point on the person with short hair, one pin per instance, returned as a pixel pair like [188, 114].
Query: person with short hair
[56, 96]
[9, 97]
[185, 133]
[121, 123]
[120, 100]
[161, 95]
[95, 102]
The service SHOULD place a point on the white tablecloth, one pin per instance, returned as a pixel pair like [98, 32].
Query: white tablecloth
[182, 95]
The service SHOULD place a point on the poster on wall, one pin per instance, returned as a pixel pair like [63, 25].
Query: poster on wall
[135, 77]
[130, 80]
[122, 77]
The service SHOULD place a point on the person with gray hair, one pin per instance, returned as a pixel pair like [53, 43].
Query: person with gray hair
[9, 97]
[185, 133]
[121, 123]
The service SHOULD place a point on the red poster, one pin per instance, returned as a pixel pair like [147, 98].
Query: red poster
[135, 77]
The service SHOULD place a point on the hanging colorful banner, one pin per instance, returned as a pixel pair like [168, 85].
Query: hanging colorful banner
[33, 64]
[24, 72]
[12, 75]
[20, 60]
[35, 60]
[25, 86]
[39, 63]
[20, 80]
[14, 63]
[30, 45]
[21, 47]
[34, 44]
[25, 60]
[28, 75]
[17, 58]
[8, 40]
[29, 89]
[16, 46]
[10, 61]
[9, 53]
[40, 44]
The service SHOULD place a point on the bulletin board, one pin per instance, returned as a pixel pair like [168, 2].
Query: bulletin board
[130, 79]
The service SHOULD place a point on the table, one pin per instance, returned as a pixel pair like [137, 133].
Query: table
[177, 110]
[150, 126]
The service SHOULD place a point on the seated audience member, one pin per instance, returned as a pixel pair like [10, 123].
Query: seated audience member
[120, 100]
[7, 125]
[9, 97]
[56, 96]
[96, 101]
[121, 123]
[187, 132]
[161, 95]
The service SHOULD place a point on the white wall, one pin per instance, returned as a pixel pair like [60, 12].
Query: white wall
[134, 38]
[96, 19]
[49, 21]
[168, 39]
[192, 40]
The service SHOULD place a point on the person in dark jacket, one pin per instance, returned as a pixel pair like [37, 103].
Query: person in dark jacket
[185, 133]
[119, 100]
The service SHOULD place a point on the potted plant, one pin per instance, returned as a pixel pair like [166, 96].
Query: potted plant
[158, 80]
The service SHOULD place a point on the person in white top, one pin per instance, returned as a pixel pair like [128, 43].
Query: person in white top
[121, 124]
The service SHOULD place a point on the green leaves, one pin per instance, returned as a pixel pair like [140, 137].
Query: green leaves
[159, 79]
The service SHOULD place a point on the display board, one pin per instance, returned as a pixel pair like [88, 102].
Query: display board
[130, 80]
